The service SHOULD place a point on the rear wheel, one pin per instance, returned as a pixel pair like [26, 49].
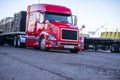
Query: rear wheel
[19, 43]
[119, 49]
[1, 41]
[74, 51]
[15, 42]
[42, 44]
[115, 48]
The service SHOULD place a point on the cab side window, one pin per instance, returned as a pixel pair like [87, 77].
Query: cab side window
[31, 23]
[40, 17]
[31, 18]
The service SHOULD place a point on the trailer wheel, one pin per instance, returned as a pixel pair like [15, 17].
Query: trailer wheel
[119, 48]
[19, 43]
[1, 41]
[15, 42]
[74, 50]
[115, 48]
[42, 44]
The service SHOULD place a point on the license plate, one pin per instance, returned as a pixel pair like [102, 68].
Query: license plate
[69, 46]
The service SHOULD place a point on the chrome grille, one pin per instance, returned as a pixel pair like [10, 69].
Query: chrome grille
[69, 34]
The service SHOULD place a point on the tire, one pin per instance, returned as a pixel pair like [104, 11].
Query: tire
[95, 48]
[42, 44]
[19, 43]
[115, 48]
[15, 42]
[119, 49]
[74, 51]
[1, 42]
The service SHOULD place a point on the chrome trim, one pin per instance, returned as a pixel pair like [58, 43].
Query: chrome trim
[66, 43]
[71, 30]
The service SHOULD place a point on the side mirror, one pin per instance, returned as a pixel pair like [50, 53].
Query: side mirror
[74, 18]
[83, 26]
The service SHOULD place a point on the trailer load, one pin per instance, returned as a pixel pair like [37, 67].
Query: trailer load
[111, 35]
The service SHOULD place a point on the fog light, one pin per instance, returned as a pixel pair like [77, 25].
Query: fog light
[52, 43]
[51, 37]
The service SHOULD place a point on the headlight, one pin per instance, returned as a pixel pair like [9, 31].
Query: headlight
[53, 28]
[51, 37]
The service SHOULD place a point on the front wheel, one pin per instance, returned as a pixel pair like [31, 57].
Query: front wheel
[74, 51]
[42, 44]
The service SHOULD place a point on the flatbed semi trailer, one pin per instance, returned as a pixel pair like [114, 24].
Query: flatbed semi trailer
[42, 26]
[12, 27]
[10, 38]
[102, 43]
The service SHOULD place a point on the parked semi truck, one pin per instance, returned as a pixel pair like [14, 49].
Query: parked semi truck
[43, 26]
[107, 41]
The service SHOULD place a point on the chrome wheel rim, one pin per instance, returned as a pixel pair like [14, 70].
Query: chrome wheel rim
[15, 41]
[18, 42]
[42, 45]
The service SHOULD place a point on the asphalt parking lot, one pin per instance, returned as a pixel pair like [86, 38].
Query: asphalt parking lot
[31, 64]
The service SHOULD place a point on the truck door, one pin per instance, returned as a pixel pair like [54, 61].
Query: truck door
[30, 28]
[31, 24]
[40, 22]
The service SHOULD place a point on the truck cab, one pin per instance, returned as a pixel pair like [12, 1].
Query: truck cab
[52, 26]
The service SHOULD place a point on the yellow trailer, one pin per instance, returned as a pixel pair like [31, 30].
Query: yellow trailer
[112, 35]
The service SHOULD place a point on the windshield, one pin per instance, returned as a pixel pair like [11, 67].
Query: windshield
[58, 17]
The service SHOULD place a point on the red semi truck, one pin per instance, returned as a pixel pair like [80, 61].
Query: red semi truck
[47, 26]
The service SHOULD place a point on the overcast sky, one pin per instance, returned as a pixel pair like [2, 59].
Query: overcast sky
[92, 13]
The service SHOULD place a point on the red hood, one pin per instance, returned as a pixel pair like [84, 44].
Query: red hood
[63, 25]
[55, 28]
